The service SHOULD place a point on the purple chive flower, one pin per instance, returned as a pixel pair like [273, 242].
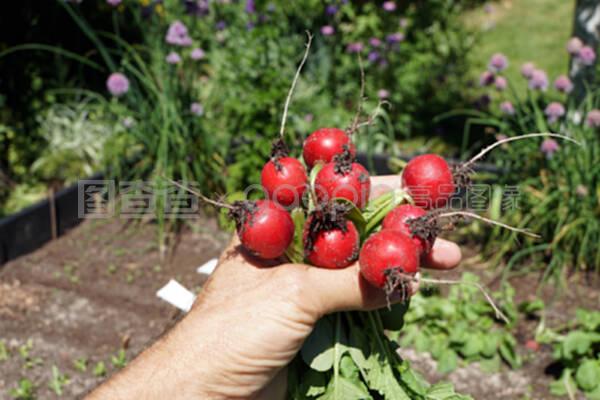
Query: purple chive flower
[587, 55]
[173, 58]
[593, 119]
[563, 84]
[486, 78]
[114, 3]
[373, 56]
[389, 6]
[198, 8]
[197, 54]
[501, 136]
[128, 122]
[327, 30]
[574, 45]
[383, 94]
[554, 111]
[500, 83]
[221, 25]
[309, 118]
[331, 9]
[538, 80]
[355, 47]
[527, 70]
[117, 84]
[375, 42]
[196, 109]
[507, 108]
[549, 147]
[403, 22]
[498, 62]
[250, 7]
[177, 34]
[395, 37]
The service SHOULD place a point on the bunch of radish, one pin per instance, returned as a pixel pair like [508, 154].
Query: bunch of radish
[389, 236]
[317, 210]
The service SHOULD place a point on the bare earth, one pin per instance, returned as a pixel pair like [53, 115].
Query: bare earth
[91, 293]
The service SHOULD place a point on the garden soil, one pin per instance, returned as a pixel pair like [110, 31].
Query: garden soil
[81, 300]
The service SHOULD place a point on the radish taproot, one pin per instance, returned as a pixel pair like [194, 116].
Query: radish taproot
[387, 258]
[284, 178]
[331, 241]
[429, 180]
[400, 219]
[264, 227]
[343, 178]
[324, 144]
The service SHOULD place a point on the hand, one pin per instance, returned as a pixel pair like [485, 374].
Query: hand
[248, 323]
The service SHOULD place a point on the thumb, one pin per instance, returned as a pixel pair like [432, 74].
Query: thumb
[346, 289]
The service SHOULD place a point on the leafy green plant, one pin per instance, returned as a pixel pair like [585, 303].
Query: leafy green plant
[577, 350]
[119, 360]
[58, 381]
[26, 390]
[81, 364]
[99, 369]
[555, 182]
[4, 354]
[460, 327]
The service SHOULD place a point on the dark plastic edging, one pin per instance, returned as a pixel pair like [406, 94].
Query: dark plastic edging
[30, 228]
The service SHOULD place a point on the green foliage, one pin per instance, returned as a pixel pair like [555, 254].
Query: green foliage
[58, 381]
[558, 193]
[99, 369]
[348, 357]
[461, 326]
[4, 354]
[119, 360]
[26, 390]
[578, 353]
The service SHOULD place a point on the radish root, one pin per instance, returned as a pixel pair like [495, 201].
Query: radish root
[488, 297]
[200, 195]
[291, 92]
[487, 220]
[467, 165]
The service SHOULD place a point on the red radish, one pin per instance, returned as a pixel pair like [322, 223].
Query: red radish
[265, 228]
[284, 180]
[332, 248]
[398, 219]
[324, 144]
[343, 179]
[428, 179]
[385, 256]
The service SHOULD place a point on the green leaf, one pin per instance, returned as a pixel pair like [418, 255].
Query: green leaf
[490, 345]
[472, 346]
[314, 383]
[412, 379]
[295, 252]
[346, 389]
[508, 352]
[442, 391]
[354, 215]
[382, 379]
[559, 387]
[491, 365]
[578, 343]
[348, 368]
[447, 362]
[594, 394]
[318, 349]
[588, 375]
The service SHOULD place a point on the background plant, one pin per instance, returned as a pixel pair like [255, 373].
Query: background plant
[461, 327]
[556, 182]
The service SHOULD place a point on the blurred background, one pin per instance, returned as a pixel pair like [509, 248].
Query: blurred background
[193, 90]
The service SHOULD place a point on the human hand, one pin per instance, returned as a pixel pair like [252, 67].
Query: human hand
[251, 319]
